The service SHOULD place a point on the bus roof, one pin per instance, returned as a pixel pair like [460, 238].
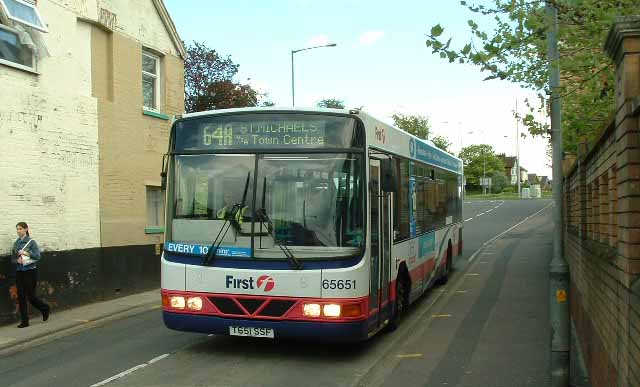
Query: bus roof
[269, 108]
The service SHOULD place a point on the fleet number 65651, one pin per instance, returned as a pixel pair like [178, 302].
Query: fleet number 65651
[340, 284]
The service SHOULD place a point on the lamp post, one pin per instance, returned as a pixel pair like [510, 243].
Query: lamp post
[293, 90]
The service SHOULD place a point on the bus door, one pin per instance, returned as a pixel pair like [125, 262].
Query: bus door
[380, 260]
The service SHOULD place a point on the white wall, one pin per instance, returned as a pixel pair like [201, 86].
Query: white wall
[140, 20]
[49, 140]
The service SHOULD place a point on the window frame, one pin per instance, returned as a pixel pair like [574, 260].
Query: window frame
[9, 63]
[157, 77]
[42, 28]
[158, 206]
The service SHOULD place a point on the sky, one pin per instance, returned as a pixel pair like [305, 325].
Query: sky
[380, 63]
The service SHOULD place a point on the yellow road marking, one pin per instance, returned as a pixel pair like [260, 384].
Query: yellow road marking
[462, 291]
[155, 307]
[473, 274]
[409, 355]
[84, 321]
[440, 315]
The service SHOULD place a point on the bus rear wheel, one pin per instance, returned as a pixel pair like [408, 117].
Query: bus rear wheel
[400, 306]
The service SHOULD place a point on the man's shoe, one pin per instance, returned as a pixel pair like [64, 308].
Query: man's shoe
[23, 325]
[45, 315]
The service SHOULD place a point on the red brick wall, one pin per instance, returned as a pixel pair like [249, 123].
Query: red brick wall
[602, 228]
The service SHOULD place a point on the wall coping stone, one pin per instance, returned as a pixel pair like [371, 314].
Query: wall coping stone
[624, 27]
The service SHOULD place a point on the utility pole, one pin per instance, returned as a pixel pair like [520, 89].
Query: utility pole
[558, 268]
[518, 147]
[484, 172]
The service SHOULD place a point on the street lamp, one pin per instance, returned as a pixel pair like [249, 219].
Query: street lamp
[293, 92]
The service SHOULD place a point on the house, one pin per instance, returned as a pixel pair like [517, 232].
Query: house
[88, 89]
[545, 183]
[511, 170]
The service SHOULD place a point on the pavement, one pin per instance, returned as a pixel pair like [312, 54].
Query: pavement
[69, 321]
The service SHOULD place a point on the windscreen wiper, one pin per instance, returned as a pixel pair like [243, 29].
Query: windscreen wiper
[229, 220]
[262, 214]
[213, 250]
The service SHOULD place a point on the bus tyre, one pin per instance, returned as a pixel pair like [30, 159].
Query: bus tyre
[444, 278]
[400, 306]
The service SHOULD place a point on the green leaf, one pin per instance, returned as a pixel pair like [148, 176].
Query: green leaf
[436, 30]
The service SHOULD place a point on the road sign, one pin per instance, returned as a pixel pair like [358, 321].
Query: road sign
[485, 181]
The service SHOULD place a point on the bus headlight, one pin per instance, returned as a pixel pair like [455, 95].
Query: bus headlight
[311, 310]
[194, 303]
[177, 302]
[331, 310]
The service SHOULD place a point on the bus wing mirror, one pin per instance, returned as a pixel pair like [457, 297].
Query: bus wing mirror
[163, 173]
[163, 180]
[389, 177]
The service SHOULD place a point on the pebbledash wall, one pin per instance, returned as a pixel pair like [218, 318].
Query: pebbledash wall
[79, 154]
[602, 227]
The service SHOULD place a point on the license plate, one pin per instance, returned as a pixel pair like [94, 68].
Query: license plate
[251, 332]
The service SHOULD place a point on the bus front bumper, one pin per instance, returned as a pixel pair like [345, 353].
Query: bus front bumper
[305, 330]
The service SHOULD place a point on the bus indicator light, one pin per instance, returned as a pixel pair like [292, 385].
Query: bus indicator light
[351, 310]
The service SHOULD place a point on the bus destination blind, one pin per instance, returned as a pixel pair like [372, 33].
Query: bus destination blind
[261, 134]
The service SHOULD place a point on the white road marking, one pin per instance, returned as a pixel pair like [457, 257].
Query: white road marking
[130, 370]
[486, 212]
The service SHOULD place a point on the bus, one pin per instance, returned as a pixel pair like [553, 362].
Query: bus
[303, 223]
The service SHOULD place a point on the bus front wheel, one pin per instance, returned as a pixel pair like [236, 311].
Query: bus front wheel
[400, 305]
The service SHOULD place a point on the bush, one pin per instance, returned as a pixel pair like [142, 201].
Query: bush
[499, 182]
[509, 189]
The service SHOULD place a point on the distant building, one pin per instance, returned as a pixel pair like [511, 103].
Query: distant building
[545, 183]
[510, 169]
[532, 178]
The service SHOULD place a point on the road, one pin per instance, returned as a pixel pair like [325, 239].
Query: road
[487, 327]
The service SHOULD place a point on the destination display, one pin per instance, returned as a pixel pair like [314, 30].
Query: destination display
[261, 131]
[283, 133]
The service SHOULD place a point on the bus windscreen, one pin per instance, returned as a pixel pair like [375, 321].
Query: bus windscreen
[286, 131]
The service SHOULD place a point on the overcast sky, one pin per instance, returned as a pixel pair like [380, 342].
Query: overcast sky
[380, 62]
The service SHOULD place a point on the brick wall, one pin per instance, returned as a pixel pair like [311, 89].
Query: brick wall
[602, 227]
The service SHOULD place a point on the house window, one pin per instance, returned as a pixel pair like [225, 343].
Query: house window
[12, 50]
[23, 12]
[151, 81]
[155, 206]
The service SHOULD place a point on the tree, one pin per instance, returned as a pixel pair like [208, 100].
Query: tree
[417, 125]
[209, 81]
[516, 51]
[331, 103]
[441, 142]
[499, 182]
[479, 160]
